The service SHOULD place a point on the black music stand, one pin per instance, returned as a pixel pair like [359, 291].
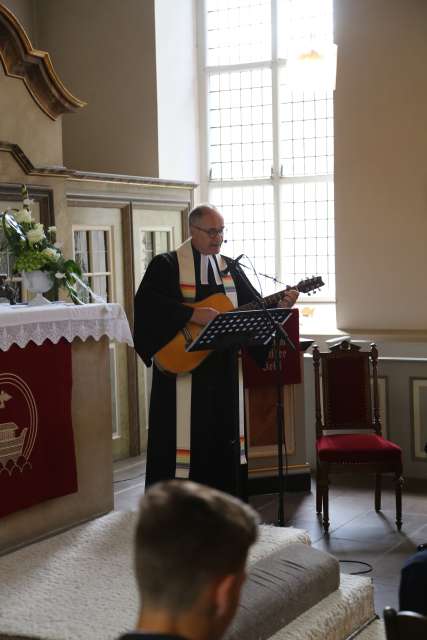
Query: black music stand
[234, 330]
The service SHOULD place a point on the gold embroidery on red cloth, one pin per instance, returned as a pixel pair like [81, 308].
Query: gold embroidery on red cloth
[16, 441]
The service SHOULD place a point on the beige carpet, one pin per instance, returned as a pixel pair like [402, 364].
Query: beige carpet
[79, 584]
[374, 631]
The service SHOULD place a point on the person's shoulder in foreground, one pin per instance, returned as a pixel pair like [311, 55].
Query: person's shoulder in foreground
[413, 583]
[191, 547]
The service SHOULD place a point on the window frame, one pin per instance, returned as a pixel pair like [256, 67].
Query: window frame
[276, 178]
[109, 274]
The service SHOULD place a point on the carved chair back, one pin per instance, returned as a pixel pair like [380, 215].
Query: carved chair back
[343, 388]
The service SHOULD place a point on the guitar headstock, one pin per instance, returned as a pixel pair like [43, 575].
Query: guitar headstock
[310, 284]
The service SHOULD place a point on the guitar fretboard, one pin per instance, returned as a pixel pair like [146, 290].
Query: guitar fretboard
[268, 301]
[303, 286]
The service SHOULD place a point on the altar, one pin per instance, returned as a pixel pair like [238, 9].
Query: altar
[55, 416]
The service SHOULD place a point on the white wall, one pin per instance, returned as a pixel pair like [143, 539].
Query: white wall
[104, 52]
[177, 98]
[381, 164]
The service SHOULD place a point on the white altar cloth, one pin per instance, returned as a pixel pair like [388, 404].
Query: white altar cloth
[19, 324]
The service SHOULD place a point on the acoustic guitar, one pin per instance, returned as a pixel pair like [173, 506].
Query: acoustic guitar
[174, 357]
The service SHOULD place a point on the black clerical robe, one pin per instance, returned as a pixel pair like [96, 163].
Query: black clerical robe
[159, 315]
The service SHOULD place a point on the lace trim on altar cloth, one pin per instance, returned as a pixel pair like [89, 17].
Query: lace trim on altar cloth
[93, 321]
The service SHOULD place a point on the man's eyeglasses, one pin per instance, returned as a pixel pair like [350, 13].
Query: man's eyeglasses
[212, 233]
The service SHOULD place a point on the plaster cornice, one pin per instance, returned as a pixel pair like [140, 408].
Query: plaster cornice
[87, 176]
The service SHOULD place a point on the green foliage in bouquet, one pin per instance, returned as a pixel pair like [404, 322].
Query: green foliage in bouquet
[36, 249]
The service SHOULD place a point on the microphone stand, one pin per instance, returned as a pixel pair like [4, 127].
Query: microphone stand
[280, 334]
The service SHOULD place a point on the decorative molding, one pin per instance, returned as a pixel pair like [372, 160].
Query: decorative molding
[34, 68]
[25, 163]
[418, 387]
[87, 176]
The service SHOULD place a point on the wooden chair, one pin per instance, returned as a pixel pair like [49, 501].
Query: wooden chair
[404, 625]
[347, 406]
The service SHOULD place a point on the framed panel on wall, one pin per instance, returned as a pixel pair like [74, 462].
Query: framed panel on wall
[418, 399]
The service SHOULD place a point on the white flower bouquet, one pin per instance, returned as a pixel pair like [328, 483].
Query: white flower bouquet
[36, 248]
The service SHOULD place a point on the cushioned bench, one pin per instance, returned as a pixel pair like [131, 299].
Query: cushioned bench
[281, 587]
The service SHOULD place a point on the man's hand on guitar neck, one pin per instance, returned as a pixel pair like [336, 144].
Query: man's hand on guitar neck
[203, 315]
[289, 299]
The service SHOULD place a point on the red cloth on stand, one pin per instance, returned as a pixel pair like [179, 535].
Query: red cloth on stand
[290, 373]
[37, 458]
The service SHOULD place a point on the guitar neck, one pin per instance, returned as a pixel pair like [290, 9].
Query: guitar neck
[269, 301]
[303, 286]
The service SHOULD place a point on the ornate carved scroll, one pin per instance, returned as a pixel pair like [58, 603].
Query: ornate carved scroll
[34, 67]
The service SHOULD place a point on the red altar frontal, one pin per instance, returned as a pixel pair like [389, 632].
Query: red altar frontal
[37, 454]
[55, 416]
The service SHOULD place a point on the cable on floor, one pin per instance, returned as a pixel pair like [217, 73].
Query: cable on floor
[359, 573]
[140, 475]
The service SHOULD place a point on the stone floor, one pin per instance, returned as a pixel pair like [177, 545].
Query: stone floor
[356, 533]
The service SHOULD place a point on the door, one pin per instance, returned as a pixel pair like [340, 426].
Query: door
[154, 232]
[98, 248]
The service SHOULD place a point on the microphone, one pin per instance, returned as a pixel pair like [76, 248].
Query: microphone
[233, 263]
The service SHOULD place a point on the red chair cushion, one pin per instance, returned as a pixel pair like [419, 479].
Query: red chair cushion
[357, 447]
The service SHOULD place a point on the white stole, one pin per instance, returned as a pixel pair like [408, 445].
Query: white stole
[187, 281]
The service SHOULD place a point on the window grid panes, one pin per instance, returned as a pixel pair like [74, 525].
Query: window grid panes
[306, 132]
[249, 218]
[153, 243]
[240, 124]
[91, 247]
[237, 31]
[270, 165]
[307, 223]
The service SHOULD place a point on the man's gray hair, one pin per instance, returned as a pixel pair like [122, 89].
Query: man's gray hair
[197, 213]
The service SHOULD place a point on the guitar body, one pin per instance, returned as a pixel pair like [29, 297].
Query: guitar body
[173, 357]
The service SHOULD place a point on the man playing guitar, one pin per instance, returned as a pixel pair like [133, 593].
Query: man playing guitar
[191, 430]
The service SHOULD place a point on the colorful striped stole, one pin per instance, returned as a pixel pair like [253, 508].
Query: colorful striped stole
[187, 281]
